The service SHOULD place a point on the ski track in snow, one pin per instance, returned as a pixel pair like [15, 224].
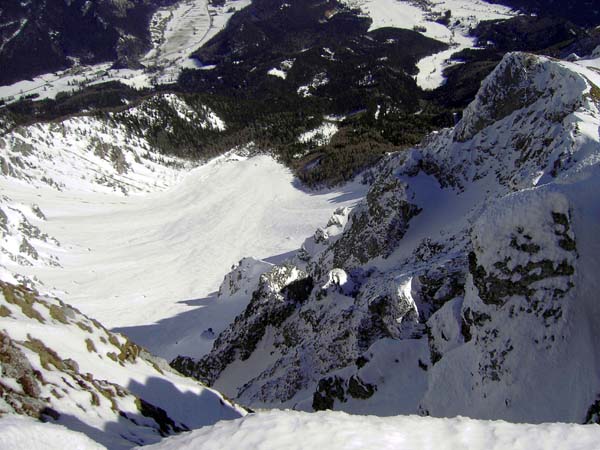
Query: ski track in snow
[150, 265]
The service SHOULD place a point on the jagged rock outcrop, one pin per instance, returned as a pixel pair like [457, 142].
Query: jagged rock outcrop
[520, 299]
[462, 285]
[243, 279]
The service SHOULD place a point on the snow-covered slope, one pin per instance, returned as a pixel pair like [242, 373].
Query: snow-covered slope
[64, 367]
[23, 433]
[448, 21]
[335, 430]
[463, 284]
[89, 199]
[89, 154]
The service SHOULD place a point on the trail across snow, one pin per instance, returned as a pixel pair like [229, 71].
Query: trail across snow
[148, 265]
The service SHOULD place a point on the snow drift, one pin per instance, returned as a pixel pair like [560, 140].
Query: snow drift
[339, 431]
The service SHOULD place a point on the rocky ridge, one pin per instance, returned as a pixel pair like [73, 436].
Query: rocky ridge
[461, 285]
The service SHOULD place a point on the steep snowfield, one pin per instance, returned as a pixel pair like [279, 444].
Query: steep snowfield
[339, 431]
[148, 262]
[464, 283]
[85, 155]
[422, 17]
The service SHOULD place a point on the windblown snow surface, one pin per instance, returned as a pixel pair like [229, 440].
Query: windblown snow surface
[22, 433]
[339, 431]
[278, 430]
[422, 15]
[464, 284]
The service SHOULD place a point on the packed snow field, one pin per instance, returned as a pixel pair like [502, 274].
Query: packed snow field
[338, 431]
[23, 433]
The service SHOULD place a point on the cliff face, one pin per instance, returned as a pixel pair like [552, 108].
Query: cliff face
[462, 284]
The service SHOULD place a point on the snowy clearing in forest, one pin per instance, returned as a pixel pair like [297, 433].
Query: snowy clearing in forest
[179, 30]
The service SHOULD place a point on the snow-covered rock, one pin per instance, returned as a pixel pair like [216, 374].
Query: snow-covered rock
[522, 84]
[243, 278]
[471, 268]
[279, 291]
[21, 240]
[63, 367]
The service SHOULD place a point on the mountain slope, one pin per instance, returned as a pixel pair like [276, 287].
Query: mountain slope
[58, 365]
[85, 197]
[469, 254]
